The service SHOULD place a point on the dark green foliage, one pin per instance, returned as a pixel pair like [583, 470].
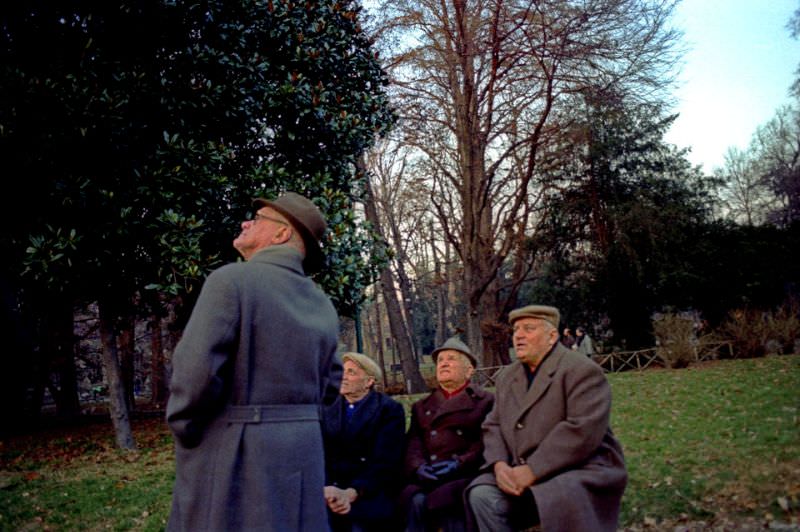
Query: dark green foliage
[140, 131]
[136, 134]
[630, 232]
[624, 210]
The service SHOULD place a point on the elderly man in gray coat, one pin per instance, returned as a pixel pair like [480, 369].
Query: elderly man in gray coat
[550, 454]
[256, 362]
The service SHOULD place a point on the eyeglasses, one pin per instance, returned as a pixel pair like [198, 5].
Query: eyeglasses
[258, 216]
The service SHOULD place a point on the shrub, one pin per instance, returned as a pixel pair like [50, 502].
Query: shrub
[783, 327]
[748, 331]
[676, 342]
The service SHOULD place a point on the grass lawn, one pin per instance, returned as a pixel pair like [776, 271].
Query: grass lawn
[715, 445]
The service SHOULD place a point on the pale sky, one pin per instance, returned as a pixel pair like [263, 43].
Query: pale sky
[737, 73]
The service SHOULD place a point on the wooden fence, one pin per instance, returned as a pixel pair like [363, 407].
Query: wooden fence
[623, 360]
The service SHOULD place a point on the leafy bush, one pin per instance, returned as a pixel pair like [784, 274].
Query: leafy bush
[748, 331]
[756, 332]
[783, 326]
[676, 341]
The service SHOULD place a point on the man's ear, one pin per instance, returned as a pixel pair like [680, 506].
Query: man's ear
[283, 235]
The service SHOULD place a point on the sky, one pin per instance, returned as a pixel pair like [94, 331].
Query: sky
[737, 73]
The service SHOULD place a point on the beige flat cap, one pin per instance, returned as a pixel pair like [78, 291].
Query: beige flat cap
[541, 312]
[366, 363]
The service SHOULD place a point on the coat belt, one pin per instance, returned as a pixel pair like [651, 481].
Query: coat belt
[272, 413]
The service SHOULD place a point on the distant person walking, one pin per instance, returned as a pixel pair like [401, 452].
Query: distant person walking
[255, 364]
[583, 342]
[567, 339]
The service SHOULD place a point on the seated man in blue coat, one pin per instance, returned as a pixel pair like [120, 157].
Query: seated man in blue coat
[444, 449]
[363, 433]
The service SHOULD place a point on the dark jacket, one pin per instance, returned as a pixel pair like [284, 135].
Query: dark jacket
[559, 427]
[249, 376]
[366, 453]
[444, 429]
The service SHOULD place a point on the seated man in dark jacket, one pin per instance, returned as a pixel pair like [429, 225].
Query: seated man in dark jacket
[363, 432]
[444, 449]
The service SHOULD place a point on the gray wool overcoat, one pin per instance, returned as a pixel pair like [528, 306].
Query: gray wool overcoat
[256, 361]
[560, 428]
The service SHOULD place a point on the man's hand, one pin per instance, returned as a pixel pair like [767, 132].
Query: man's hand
[444, 468]
[339, 500]
[513, 480]
[425, 472]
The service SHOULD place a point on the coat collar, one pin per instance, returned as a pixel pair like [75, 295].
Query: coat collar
[366, 410]
[526, 397]
[281, 255]
[465, 400]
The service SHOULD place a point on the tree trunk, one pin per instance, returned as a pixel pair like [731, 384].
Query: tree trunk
[378, 343]
[413, 378]
[400, 329]
[127, 353]
[116, 389]
[19, 363]
[441, 281]
[61, 347]
[404, 283]
[157, 381]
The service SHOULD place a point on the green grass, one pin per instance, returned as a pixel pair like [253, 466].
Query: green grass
[719, 438]
[722, 437]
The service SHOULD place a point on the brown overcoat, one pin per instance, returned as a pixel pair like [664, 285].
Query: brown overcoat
[249, 377]
[443, 429]
[560, 428]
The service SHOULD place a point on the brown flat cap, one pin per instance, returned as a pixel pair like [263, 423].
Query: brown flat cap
[541, 312]
[307, 219]
[455, 344]
[366, 363]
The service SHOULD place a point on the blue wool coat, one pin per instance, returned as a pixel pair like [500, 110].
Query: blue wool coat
[366, 453]
[256, 360]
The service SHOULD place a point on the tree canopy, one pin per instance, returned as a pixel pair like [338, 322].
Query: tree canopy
[138, 133]
[138, 156]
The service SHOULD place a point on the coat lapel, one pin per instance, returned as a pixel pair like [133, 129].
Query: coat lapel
[442, 407]
[363, 414]
[544, 377]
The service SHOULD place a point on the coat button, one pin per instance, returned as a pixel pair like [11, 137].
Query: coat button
[363, 459]
[459, 432]
[519, 425]
[433, 433]
[427, 412]
[434, 457]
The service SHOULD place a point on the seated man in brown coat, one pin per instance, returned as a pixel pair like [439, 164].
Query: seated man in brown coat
[551, 457]
[444, 447]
